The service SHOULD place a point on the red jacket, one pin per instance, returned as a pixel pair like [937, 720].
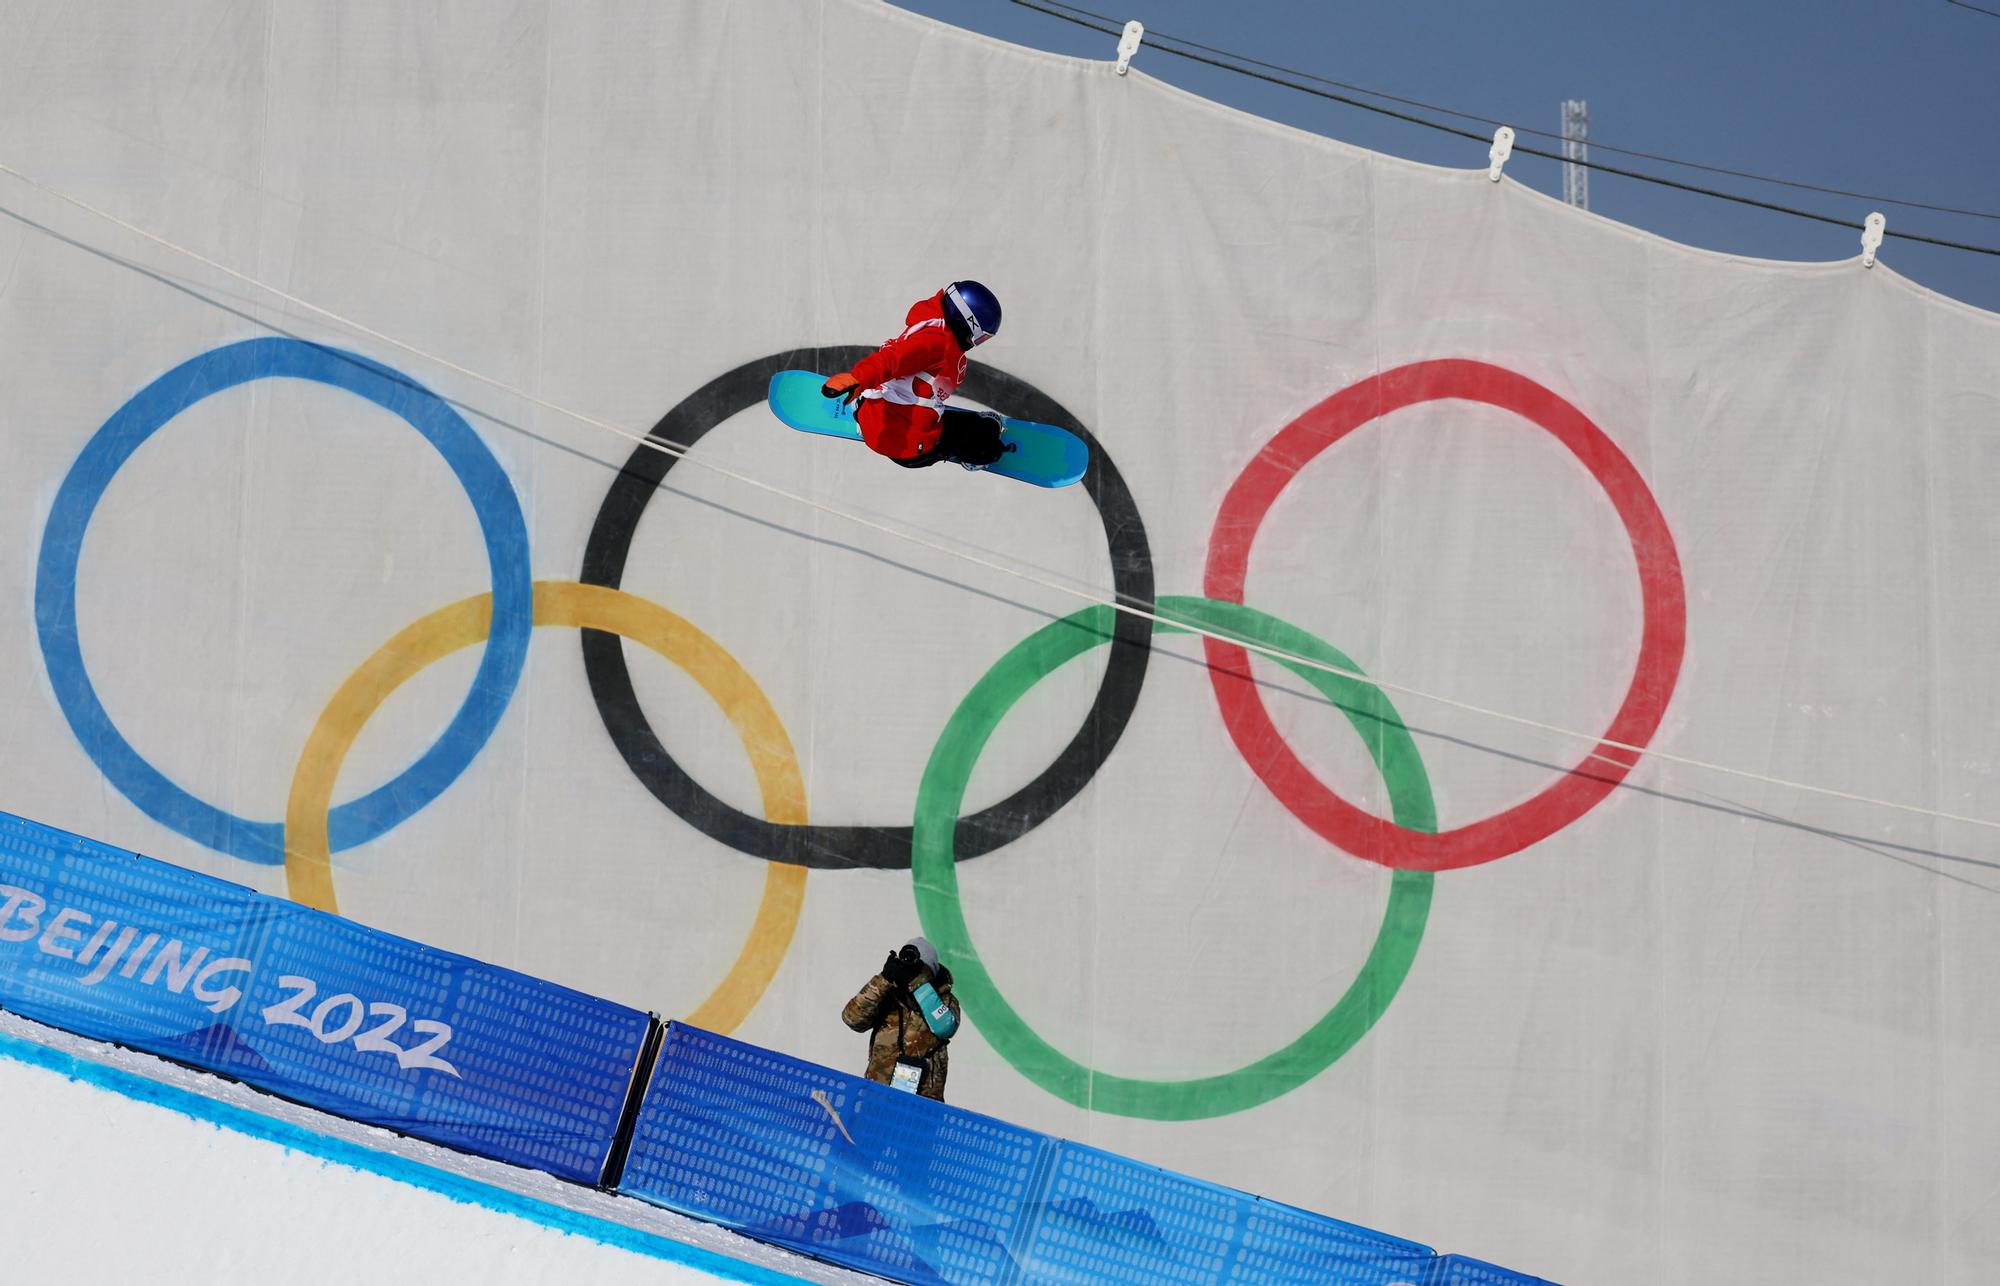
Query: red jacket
[905, 382]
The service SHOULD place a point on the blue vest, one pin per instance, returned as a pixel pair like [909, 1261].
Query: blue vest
[937, 1014]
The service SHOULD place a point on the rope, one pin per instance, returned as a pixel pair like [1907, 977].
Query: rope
[1494, 121]
[681, 452]
[1481, 138]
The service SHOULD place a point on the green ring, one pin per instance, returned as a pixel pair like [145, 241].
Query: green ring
[934, 871]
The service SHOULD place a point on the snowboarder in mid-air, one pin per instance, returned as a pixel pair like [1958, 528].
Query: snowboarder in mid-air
[902, 386]
[893, 400]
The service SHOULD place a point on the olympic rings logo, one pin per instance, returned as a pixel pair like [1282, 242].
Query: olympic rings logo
[502, 619]
[1662, 642]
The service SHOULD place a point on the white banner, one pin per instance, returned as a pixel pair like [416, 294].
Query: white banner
[1682, 1021]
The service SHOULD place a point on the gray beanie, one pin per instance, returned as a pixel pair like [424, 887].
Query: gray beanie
[925, 951]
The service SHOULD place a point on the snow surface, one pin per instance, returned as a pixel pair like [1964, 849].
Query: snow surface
[119, 1166]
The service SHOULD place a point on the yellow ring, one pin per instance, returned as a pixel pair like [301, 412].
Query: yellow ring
[308, 856]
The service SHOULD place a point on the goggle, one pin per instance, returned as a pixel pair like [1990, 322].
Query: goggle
[972, 327]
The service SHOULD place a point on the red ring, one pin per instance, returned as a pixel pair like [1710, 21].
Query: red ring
[1662, 642]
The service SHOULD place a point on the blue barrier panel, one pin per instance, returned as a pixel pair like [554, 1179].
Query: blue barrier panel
[321, 1010]
[1108, 1218]
[833, 1165]
[830, 1164]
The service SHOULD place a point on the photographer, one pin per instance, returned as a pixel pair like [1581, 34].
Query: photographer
[911, 1015]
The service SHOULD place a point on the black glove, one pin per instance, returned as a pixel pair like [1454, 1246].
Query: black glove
[897, 970]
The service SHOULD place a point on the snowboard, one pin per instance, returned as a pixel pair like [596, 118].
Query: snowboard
[1043, 454]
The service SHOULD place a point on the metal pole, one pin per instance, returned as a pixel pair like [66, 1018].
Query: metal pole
[1576, 132]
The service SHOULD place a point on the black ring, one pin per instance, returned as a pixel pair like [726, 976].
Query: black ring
[881, 847]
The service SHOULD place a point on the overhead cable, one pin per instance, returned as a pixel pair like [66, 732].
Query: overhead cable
[1659, 180]
[1595, 144]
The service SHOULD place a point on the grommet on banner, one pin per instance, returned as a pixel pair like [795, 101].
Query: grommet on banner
[1503, 147]
[1128, 44]
[1871, 237]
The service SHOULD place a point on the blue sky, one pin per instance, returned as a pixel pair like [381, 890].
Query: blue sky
[1900, 99]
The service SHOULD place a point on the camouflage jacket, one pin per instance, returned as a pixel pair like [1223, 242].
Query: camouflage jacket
[898, 1030]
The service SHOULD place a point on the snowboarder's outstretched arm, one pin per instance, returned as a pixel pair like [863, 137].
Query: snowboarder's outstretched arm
[911, 353]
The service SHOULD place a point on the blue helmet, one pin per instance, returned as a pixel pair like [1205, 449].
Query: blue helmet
[972, 310]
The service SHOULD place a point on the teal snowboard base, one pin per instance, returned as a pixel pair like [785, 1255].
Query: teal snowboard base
[1043, 454]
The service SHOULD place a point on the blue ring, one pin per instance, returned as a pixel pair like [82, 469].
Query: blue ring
[500, 523]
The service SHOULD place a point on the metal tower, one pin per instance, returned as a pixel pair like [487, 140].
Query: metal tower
[1576, 149]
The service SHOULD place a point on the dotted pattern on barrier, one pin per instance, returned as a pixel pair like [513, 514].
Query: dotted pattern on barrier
[917, 1191]
[733, 1129]
[177, 917]
[1109, 1218]
[1282, 1243]
[311, 1006]
[855, 1172]
[542, 1070]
